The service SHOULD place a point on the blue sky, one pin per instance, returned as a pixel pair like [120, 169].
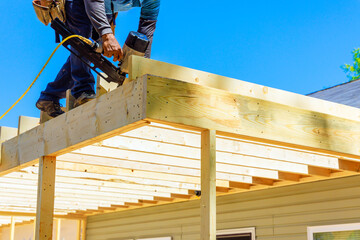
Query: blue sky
[295, 45]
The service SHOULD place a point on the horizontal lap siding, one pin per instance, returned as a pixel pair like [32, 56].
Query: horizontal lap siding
[278, 213]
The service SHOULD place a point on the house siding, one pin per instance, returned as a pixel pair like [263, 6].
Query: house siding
[277, 213]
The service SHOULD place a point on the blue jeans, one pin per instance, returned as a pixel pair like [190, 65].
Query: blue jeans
[75, 74]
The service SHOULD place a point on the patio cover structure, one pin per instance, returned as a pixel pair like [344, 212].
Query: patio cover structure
[171, 134]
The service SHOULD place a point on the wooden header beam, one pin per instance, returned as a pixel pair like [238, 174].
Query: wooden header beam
[140, 66]
[185, 105]
[109, 115]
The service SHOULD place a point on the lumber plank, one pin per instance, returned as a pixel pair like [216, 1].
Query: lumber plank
[57, 229]
[31, 214]
[171, 101]
[103, 86]
[6, 133]
[164, 164]
[27, 123]
[116, 112]
[70, 100]
[208, 185]
[140, 66]
[45, 198]
[83, 229]
[162, 135]
[12, 228]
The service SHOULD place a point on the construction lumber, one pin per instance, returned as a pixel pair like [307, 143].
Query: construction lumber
[30, 214]
[114, 113]
[139, 66]
[6, 133]
[102, 86]
[45, 198]
[70, 100]
[12, 228]
[83, 229]
[186, 104]
[57, 229]
[27, 123]
[208, 185]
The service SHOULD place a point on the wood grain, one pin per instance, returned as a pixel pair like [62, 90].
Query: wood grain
[190, 104]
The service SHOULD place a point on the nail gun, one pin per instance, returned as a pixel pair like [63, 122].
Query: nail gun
[135, 44]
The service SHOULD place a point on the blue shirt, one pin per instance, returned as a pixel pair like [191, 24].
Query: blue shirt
[149, 8]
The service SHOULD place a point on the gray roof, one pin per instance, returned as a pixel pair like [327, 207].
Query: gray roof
[346, 93]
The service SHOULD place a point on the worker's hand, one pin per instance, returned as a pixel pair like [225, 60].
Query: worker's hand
[112, 47]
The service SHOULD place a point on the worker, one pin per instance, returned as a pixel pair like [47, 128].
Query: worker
[81, 17]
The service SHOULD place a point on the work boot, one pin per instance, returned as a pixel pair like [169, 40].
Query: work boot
[52, 108]
[84, 98]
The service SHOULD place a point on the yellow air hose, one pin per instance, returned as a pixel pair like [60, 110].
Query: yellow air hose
[52, 54]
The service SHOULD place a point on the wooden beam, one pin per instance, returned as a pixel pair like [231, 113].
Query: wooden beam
[112, 114]
[180, 103]
[45, 198]
[12, 228]
[349, 165]
[323, 172]
[30, 214]
[140, 66]
[208, 185]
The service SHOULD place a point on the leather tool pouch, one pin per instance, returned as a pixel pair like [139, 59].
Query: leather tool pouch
[50, 10]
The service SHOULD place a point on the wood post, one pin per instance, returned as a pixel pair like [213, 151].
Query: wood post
[83, 229]
[208, 185]
[58, 229]
[78, 230]
[12, 228]
[45, 198]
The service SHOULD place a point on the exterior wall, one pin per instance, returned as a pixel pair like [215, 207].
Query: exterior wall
[68, 231]
[277, 213]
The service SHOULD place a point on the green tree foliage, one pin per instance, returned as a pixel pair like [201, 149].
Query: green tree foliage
[353, 71]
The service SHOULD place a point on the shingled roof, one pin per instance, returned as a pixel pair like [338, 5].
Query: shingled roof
[346, 93]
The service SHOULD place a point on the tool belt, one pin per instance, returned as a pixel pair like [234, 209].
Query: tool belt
[48, 10]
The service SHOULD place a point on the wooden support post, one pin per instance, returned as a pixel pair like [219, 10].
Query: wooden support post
[208, 185]
[83, 229]
[12, 228]
[57, 230]
[45, 198]
[34, 233]
[78, 230]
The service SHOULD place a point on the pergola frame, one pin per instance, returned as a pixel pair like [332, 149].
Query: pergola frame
[192, 100]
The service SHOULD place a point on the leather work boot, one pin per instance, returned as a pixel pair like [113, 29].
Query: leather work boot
[84, 98]
[52, 108]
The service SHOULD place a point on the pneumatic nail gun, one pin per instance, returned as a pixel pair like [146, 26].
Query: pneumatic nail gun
[135, 44]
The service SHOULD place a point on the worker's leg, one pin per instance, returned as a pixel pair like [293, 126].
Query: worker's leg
[74, 74]
[79, 23]
[57, 89]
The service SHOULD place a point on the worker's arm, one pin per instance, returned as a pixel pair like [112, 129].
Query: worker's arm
[149, 14]
[95, 10]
